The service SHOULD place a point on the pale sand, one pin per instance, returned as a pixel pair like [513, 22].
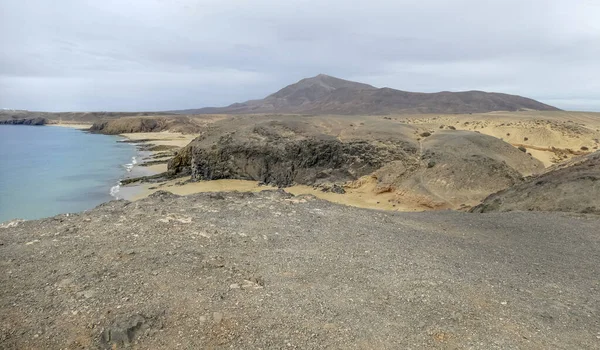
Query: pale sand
[157, 168]
[162, 138]
[157, 138]
[362, 197]
[528, 129]
[546, 157]
[74, 126]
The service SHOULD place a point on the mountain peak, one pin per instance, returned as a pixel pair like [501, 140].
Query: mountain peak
[335, 83]
[313, 88]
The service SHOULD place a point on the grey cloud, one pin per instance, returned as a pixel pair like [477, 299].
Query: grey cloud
[157, 55]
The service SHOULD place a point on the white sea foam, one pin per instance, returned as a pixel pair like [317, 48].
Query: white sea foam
[129, 166]
[114, 191]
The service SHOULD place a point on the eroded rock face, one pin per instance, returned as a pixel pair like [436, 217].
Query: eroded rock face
[282, 153]
[25, 121]
[144, 124]
[285, 163]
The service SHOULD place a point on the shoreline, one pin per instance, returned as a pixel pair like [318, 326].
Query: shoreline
[361, 195]
[147, 141]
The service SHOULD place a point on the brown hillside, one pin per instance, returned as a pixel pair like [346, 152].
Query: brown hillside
[324, 94]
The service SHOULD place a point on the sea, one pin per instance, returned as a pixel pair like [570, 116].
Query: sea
[49, 170]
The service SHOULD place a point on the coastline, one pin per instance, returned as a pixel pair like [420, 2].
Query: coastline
[145, 143]
[160, 146]
[166, 143]
[362, 194]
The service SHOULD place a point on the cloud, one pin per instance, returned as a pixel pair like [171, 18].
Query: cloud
[168, 54]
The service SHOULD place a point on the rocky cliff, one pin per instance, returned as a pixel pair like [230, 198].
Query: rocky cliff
[24, 121]
[145, 124]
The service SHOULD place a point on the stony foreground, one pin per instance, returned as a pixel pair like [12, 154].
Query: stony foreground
[272, 271]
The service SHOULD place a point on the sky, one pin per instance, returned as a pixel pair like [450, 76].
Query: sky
[114, 55]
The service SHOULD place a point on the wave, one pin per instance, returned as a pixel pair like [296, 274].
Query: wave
[129, 166]
[114, 191]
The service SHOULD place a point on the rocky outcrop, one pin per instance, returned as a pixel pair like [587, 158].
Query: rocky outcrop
[570, 187]
[73, 117]
[283, 153]
[442, 169]
[145, 124]
[285, 163]
[24, 121]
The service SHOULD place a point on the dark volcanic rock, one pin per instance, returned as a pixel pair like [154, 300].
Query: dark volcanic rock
[128, 125]
[283, 163]
[72, 117]
[284, 152]
[123, 333]
[25, 121]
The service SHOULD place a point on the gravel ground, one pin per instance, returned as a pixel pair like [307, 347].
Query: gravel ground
[272, 271]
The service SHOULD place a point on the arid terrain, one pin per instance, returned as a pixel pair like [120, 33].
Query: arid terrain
[273, 271]
[485, 233]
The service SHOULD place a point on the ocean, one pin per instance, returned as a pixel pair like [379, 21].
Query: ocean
[46, 170]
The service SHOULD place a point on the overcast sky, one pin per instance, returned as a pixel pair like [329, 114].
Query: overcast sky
[65, 55]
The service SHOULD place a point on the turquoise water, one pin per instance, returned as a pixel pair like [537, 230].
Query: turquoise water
[47, 170]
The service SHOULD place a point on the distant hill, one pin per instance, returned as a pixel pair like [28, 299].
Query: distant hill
[324, 94]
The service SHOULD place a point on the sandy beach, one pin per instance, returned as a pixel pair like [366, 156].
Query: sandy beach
[72, 125]
[164, 138]
[171, 139]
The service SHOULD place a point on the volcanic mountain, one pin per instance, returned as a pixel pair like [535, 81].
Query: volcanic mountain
[325, 94]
